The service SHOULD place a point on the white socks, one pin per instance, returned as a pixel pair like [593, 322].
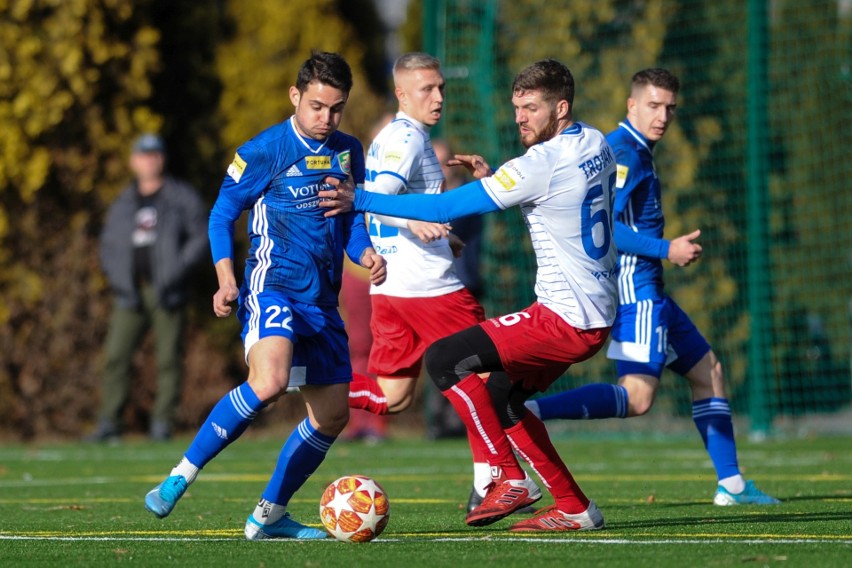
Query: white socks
[734, 484]
[186, 469]
[267, 512]
[481, 477]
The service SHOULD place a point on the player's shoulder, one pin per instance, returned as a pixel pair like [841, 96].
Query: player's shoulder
[579, 138]
[266, 142]
[343, 141]
[628, 149]
[621, 136]
[589, 134]
[401, 131]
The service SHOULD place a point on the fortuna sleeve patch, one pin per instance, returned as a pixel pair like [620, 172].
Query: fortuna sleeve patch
[237, 167]
[506, 181]
[393, 156]
[621, 175]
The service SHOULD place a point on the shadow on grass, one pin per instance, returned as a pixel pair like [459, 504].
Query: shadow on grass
[776, 515]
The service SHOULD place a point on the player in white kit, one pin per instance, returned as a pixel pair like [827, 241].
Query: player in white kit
[423, 299]
[564, 186]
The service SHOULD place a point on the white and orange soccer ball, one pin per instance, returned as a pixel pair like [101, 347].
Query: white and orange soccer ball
[354, 508]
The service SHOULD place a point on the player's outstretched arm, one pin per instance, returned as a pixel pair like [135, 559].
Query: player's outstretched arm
[228, 290]
[682, 251]
[469, 199]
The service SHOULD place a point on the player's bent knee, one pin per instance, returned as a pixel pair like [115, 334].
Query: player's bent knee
[399, 392]
[333, 423]
[268, 389]
[716, 371]
[400, 404]
[440, 360]
[639, 407]
[453, 358]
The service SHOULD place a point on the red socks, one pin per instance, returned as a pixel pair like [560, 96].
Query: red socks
[532, 442]
[366, 394]
[473, 404]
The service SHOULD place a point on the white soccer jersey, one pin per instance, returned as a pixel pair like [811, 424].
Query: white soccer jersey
[564, 187]
[401, 160]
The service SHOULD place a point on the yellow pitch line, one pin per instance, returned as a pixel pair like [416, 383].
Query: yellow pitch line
[72, 501]
[184, 533]
[816, 477]
[397, 500]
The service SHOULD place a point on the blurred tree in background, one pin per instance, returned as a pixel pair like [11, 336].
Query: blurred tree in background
[76, 87]
[79, 80]
[794, 299]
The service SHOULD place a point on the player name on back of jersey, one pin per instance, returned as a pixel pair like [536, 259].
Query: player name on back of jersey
[597, 164]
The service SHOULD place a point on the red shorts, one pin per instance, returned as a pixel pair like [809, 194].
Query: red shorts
[404, 327]
[536, 345]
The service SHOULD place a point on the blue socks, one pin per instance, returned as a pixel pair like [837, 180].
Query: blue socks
[712, 417]
[597, 400]
[301, 455]
[226, 422]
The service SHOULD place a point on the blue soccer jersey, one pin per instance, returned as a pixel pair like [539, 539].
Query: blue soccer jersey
[294, 248]
[650, 330]
[639, 220]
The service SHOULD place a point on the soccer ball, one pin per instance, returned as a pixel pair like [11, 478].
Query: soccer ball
[354, 508]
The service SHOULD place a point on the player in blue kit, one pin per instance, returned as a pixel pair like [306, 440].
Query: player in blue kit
[292, 332]
[651, 332]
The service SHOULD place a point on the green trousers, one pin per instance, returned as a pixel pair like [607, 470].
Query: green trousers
[127, 328]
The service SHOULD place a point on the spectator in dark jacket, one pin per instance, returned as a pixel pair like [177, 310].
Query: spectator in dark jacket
[155, 233]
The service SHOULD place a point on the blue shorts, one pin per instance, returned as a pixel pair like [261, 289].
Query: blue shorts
[320, 343]
[653, 334]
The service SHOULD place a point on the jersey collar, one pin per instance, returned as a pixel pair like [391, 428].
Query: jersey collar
[419, 125]
[625, 124]
[575, 128]
[308, 143]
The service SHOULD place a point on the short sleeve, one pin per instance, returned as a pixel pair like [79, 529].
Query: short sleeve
[522, 180]
[400, 154]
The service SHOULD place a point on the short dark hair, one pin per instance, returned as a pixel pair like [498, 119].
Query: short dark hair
[656, 76]
[327, 68]
[550, 77]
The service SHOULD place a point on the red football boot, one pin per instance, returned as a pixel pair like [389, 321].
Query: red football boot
[504, 497]
[552, 519]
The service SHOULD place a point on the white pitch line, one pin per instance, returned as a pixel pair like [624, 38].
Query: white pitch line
[447, 539]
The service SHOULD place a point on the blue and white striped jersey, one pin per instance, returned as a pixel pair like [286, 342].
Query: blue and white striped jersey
[401, 160]
[639, 218]
[293, 247]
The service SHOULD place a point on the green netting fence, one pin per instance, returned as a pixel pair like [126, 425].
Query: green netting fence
[758, 159]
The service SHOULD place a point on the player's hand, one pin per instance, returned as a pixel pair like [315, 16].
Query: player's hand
[682, 251]
[456, 245]
[377, 265]
[476, 165]
[339, 199]
[428, 232]
[223, 298]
